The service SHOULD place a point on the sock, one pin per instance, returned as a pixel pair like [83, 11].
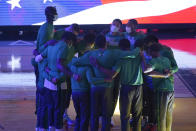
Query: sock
[51, 128]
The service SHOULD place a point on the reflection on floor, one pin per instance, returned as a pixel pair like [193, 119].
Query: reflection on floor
[18, 115]
[12, 84]
[17, 102]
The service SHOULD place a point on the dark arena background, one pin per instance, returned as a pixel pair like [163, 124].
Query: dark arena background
[172, 21]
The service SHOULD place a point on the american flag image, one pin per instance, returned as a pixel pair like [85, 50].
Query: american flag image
[31, 12]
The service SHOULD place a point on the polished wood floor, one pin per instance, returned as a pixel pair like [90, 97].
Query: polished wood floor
[18, 115]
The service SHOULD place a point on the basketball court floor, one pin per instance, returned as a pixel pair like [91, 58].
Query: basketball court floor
[17, 86]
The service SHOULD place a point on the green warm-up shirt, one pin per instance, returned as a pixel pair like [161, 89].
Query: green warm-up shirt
[167, 52]
[52, 54]
[88, 79]
[45, 33]
[159, 64]
[106, 58]
[130, 71]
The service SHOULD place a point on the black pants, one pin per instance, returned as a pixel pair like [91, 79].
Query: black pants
[42, 109]
[148, 100]
[101, 102]
[116, 87]
[131, 103]
[68, 93]
[56, 107]
[36, 71]
[82, 107]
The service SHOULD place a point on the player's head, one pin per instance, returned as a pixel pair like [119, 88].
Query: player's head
[51, 13]
[154, 50]
[150, 39]
[139, 43]
[131, 26]
[69, 38]
[116, 25]
[100, 41]
[124, 44]
[74, 28]
[89, 39]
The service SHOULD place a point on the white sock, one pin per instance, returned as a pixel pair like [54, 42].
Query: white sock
[51, 128]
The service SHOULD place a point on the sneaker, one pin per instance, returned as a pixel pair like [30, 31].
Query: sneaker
[150, 127]
[68, 120]
[153, 127]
